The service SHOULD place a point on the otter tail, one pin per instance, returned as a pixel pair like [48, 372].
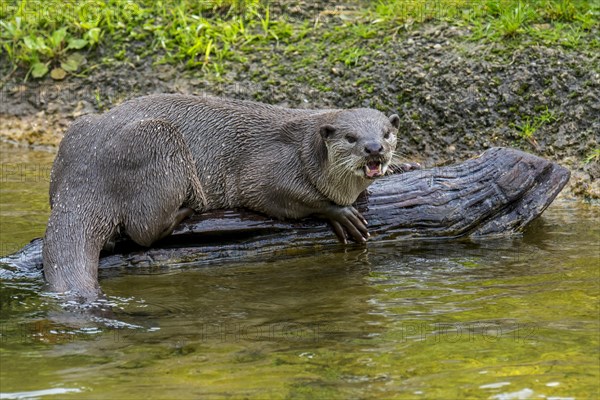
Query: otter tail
[71, 251]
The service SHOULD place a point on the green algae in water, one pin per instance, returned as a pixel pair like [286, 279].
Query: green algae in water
[494, 319]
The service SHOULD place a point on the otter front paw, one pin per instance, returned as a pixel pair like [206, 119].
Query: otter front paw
[347, 222]
[410, 166]
[404, 167]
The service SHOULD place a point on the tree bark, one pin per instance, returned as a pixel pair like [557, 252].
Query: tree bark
[496, 194]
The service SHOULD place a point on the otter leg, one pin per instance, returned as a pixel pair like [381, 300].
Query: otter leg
[109, 246]
[146, 230]
[155, 205]
[346, 221]
[180, 215]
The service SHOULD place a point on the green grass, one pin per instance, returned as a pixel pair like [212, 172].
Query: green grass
[59, 38]
[196, 33]
[530, 125]
[46, 36]
[351, 56]
[514, 20]
[594, 156]
[547, 22]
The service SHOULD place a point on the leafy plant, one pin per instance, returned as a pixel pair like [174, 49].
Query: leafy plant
[41, 52]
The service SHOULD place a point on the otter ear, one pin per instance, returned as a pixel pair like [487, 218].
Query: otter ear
[395, 120]
[327, 131]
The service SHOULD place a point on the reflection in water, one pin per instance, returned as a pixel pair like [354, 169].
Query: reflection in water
[509, 318]
[35, 394]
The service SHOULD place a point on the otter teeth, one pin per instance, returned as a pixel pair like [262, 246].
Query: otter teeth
[373, 169]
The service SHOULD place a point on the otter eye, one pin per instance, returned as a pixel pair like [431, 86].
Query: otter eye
[387, 135]
[350, 139]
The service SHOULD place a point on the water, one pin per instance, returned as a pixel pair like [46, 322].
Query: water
[502, 319]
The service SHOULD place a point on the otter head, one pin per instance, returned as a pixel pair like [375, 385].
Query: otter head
[361, 142]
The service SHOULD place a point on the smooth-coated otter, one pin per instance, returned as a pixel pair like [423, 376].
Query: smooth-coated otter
[286, 163]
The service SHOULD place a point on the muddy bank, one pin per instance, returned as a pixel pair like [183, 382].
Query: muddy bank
[456, 97]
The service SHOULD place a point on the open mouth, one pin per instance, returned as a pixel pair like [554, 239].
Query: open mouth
[373, 169]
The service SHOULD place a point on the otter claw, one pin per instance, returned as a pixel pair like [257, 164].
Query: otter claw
[347, 222]
[359, 215]
[339, 231]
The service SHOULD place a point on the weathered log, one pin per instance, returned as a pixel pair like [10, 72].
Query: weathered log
[495, 194]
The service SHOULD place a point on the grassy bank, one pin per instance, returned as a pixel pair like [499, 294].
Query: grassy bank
[68, 38]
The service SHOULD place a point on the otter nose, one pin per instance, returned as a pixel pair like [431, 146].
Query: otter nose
[373, 148]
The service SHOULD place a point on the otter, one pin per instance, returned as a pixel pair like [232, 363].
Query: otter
[285, 163]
